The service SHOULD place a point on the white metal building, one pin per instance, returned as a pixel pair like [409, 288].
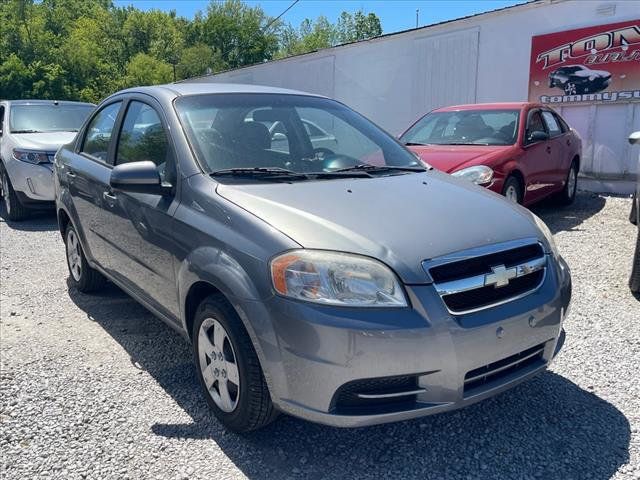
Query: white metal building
[396, 78]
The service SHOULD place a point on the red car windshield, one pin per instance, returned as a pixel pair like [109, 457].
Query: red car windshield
[465, 127]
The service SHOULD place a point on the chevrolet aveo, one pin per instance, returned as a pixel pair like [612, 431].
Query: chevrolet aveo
[341, 282]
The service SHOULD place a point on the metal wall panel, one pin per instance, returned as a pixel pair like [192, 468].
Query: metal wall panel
[447, 70]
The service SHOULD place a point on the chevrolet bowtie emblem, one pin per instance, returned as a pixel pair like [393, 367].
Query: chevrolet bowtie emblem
[500, 276]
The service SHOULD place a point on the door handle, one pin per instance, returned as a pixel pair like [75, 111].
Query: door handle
[109, 197]
[548, 149]
[71, 174]
[568, 142]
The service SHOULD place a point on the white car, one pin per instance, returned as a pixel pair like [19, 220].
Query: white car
[634, 281]
[31, 131]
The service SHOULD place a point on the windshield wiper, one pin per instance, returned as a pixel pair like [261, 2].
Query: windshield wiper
[416, 144]
[259, 172]
[464, 143]
[366, 167]
[26, 131]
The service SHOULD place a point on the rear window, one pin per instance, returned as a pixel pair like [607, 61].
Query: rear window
[48, 117]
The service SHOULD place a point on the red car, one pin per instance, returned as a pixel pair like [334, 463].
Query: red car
[524, 151]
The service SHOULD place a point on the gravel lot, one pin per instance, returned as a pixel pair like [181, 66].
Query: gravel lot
[96, 387]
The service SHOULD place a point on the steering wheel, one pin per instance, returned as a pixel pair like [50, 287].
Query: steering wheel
[322, 153]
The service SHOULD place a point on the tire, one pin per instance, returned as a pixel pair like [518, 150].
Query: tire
[633, 215]
[250, 406]
[13, 207]
[82, 276]
[634, 281]
[570, 88]
[512, 190]
[568, 193]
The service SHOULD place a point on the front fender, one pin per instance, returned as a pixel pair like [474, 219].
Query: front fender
[217, 268]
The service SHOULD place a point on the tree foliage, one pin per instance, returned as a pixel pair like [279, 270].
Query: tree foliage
[87, 49]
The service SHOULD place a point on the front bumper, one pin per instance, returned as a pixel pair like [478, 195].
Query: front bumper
[33, 183]
[319, 349]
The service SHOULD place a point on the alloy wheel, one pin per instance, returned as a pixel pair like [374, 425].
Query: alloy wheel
[74, 255]
[5, 192]
[219, 365]
[571, 187]
[570, 88]
[511, 194]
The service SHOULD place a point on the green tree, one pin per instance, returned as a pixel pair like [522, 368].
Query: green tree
[237, 31]
[198, 60]
[144, 69]
[352, 28]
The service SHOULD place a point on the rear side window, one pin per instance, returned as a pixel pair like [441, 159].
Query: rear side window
[98, 134]
[552, 123]
[143, 137]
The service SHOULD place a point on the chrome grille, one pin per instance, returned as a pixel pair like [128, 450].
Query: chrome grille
[488, 277]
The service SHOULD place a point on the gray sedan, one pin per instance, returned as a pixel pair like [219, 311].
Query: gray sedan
[347, 285]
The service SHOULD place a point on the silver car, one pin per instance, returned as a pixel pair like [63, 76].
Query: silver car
[31, 131]
[348, 285]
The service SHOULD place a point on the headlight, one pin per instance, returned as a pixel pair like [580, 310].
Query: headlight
[335, 278]
[480, 175]
[547, 235]
[30, 156]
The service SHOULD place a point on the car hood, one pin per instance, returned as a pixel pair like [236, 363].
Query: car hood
[450, 158]
[401, 220]
[47, 141]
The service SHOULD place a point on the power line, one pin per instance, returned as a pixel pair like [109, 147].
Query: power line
[278, 17]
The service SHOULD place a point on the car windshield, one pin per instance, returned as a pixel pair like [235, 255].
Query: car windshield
[48, 117]
[287, 135]
[465, 127]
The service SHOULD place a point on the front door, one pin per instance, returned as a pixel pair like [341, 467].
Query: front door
[142, 234]
[559, 149]
[538, 159]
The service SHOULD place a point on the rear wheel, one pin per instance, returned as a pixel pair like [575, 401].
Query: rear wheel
[512, 190]
[12, 205]
[82, 276]
[634, 281]
[228, 368]
[568, 193]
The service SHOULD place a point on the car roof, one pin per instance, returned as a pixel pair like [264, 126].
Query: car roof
[200, 88]
[489, 106]
[46, 102]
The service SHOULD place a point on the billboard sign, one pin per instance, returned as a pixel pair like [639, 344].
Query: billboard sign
[587, 65]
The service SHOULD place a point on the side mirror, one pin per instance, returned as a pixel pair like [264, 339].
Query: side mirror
[538, 136]
[139, 177]
[634, 138]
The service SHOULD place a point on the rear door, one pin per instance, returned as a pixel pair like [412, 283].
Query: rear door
[559, 149]
[141, 232]
[538, 161]
[85, 174]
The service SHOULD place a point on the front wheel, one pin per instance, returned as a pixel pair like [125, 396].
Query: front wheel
[634, 281]
[568, 193]
[12, 205]
[228, 368]
[82, 276]
[512, 190]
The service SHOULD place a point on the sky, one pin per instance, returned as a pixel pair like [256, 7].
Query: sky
[395, 15]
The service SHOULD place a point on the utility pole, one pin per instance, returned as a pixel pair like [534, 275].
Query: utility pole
[417, 16]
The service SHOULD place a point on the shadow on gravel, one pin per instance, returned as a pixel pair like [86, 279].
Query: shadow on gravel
[569, 218]
[38, 221]
[547, 428]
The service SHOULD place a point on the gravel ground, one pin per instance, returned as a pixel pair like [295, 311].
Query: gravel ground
[96, 387]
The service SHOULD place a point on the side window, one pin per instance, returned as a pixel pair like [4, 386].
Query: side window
[563, 125]
[98, 134]
[552, 124]
[534, 124]
[143, 137]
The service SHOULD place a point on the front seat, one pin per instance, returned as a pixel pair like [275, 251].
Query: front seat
[253, 136]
